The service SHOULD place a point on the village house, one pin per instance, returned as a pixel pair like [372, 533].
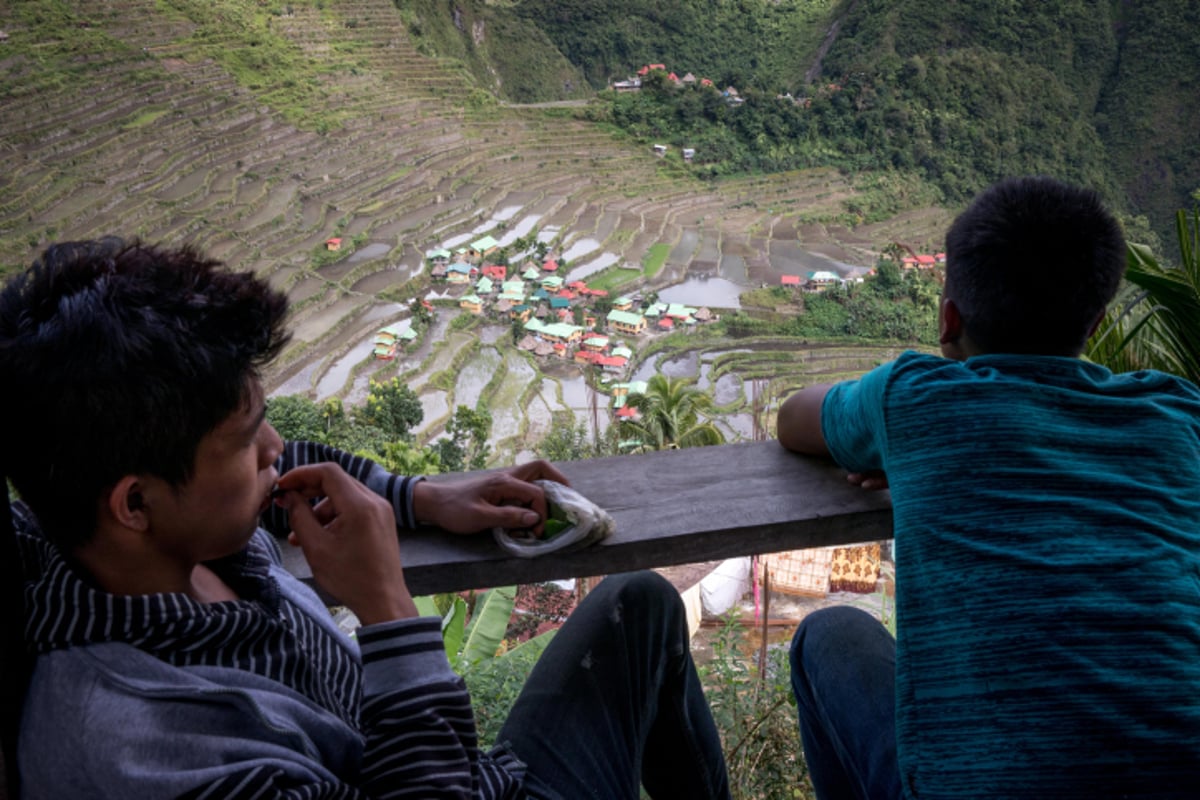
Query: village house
[333, 244]
[482, 247]
[438, 257]
[459, 273]
[555, 333]
[521, 312]
[622, 303]
[622, 390]
[552, 283]
[387, 339]
[513, 291]
[789, 280]
[549, 265]
[497, 272]
[531, 274]
[471, 303]
[484, 285]
[625, 322]
[596, 343]
[822, 279]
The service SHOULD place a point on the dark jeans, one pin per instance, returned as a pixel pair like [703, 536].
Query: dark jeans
[615, 701]
[844, 677]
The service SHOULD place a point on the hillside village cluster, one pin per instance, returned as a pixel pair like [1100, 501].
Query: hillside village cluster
[558, 318]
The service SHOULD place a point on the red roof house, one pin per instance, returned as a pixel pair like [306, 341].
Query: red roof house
[550, 265]
[333, 244]
[789, 280]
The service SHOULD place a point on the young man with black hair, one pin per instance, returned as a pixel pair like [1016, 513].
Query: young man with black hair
[1047, 533]
[176, 658]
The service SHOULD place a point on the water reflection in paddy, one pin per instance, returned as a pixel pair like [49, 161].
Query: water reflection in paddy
[592, 267]
[680, 366]
[581, 247]
[436, 408]
[699, 291]
[505, 409]
[373, 250]
[474, 376]
[519, 230]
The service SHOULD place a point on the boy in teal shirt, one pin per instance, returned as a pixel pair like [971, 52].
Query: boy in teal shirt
[1047, 531]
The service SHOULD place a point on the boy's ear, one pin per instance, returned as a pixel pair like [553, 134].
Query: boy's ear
[950, 324]
[126, 503]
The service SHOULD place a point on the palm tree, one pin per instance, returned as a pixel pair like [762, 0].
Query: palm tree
[1158, 324]
[673, 414]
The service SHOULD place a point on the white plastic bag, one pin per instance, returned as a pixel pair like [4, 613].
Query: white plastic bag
[582, 523]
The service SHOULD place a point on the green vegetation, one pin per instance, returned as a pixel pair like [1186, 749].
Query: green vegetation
[766, 43]
[952, 96]
[240, 37]
[755, 713]
[672, 413]
[1156, 324]
[656, 257]
[890, 306]
[501, 50]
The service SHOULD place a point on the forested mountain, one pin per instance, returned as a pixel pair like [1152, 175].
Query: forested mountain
[959, 92]
[933, 100]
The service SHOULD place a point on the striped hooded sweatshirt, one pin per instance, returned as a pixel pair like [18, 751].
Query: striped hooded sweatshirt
[160, 696]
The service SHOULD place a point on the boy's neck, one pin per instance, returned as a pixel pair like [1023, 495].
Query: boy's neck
[124, 571]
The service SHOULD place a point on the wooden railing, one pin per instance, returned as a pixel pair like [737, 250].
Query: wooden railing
[670, 507]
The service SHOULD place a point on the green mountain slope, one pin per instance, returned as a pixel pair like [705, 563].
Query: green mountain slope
[963, 93]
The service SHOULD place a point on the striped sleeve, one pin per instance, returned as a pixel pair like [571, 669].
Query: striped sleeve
[421, 738]
[269, 783]
[396, 489]
[419, 729]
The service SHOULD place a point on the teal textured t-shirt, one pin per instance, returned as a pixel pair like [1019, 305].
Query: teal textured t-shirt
[1047, 532]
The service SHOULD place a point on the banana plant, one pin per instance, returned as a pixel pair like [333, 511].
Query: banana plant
[480, 639]
[1157, 324]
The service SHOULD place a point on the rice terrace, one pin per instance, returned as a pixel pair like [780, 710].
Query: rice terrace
[144, 127]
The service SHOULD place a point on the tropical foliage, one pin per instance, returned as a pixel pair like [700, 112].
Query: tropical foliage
[892, 305]
[474, 637]
[755, 713]
[672, 414]
[1157, 322]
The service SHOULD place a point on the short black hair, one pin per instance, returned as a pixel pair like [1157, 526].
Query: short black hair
[1031, 263]
[117, 358]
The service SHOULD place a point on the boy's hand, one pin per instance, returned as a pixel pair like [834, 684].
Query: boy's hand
[349, 540]
[500, 499]
[871, 481]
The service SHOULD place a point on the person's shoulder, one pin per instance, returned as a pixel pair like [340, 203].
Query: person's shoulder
[1155, 380]
[914, 366]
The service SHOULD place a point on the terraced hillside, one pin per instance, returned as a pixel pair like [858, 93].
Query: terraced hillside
[259, 135]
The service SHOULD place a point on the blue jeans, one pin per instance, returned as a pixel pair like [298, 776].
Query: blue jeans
[615, 702]
[844, 677]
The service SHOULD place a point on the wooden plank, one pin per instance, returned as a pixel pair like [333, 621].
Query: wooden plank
[670, 507]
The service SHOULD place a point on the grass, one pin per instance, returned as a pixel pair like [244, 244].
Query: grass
[655, 258]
